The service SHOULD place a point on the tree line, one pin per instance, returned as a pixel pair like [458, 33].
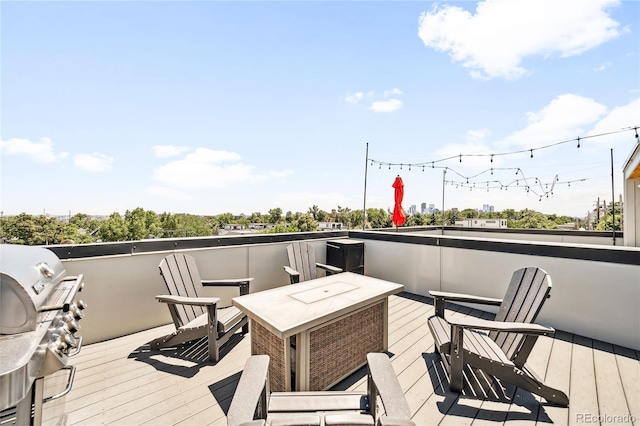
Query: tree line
[139, 224]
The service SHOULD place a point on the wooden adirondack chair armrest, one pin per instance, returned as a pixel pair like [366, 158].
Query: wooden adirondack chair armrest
[242, 283]
[252, 387]
[394, 421]
[514, 327]
[383, 382]
[440, 297]
[182, 300]
[330, 269]
[294, 276]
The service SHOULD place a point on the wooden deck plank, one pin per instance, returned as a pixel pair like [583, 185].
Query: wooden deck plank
[611, 398]
[583, 397]
[122, 382]
[629, 368]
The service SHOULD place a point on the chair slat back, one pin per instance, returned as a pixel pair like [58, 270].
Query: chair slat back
[302, 258]
[527, 292]
[181, 276]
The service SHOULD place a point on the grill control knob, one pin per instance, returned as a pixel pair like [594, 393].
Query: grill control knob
[76, 312]
[59, 344]
[81, 305]
[71, 323]
[70, 340]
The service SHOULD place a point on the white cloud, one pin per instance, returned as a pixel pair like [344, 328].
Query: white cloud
[40, 152]
[386, 106]
[383, 105]
[618, 118]
[206, 168]
[565, 117]
[394, 91]
[602, 67]
[478, 135]
[495, 40]
[354, 98]
[280, 173]
[163, 151]
[95, 162]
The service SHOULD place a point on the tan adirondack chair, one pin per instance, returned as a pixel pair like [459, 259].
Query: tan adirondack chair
[302, 263]
[254, 405]
[194, 315]
[500, 347]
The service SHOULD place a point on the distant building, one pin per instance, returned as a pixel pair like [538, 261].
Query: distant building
[233, 227]
[486, 208]
[260, 226]
[568, 226]
[412, 209]
[428, 210]
[330, 226]
[482, 223]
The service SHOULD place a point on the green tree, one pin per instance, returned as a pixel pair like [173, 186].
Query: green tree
[469, 213]
[225, 219]
[113, 229]
[275, 215]
[378, 218]
[136, 223]
[532, 219]
[607, 223]
[304, 223]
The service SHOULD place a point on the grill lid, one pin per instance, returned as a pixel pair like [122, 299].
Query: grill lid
[28, 277]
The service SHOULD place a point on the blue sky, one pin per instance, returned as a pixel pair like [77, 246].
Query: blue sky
[208, 107]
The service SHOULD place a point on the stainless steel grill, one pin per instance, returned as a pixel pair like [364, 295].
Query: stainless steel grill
[39, 317]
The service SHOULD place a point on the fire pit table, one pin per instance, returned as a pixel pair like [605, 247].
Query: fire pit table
[336, 321]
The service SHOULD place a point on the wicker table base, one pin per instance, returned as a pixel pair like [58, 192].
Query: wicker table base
[325, 354]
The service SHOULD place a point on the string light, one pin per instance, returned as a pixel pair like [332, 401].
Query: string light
[578, 139]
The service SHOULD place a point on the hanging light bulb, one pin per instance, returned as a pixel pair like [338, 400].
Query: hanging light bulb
[432, 166]
[492, 158]
[636, 129]
[531, 153]
[423, 167]
[389, 166]
[517, 170]
[400, 166]
[578, 141]
[380, 166]
[492, 170]
[461, 158]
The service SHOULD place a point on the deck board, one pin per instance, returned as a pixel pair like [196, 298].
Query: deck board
[122, 382]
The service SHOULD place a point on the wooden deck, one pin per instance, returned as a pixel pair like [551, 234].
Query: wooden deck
[122, 382]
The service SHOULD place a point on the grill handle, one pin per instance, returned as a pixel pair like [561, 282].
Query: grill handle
[65, 306]
[74, 353]
[72, 375]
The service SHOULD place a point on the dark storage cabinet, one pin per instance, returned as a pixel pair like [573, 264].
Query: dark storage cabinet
[346, 254]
